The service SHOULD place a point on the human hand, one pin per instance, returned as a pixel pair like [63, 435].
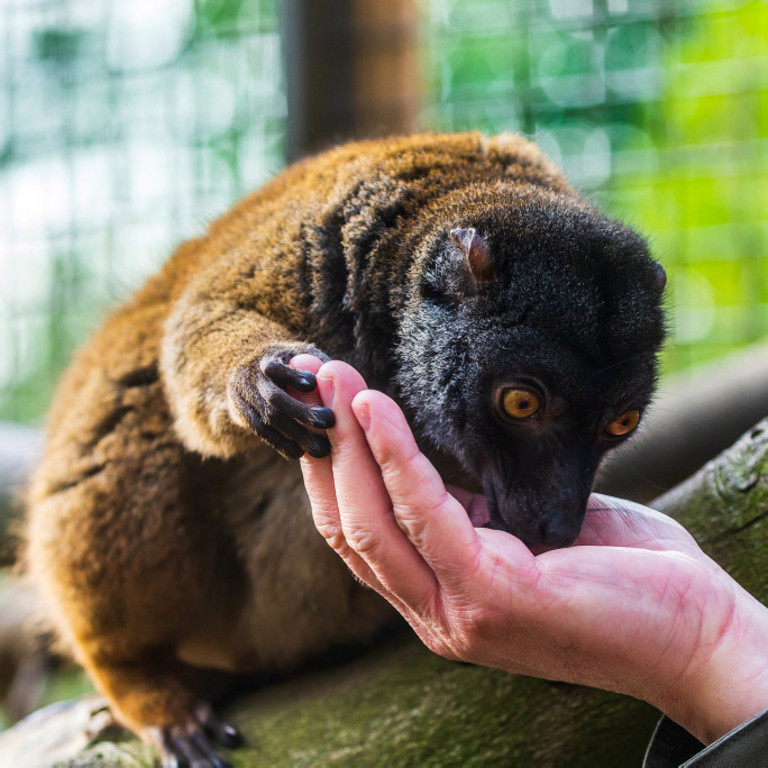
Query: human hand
[634, 606]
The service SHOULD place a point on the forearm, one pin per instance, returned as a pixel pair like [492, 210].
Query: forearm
[203, 347]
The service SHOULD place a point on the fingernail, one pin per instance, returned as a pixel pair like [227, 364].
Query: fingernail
[329, 388]
[363, 415]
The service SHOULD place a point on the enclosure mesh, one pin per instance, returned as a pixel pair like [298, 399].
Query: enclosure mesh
[126, 125]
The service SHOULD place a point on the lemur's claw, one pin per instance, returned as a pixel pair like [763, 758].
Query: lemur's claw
[284, 375]
[323, 417]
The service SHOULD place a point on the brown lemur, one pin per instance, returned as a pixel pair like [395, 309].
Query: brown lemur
[517, 326]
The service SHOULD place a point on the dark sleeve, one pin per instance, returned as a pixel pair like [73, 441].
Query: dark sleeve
[744, 747]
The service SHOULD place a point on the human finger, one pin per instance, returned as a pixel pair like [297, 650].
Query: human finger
[318, 481]
[319, 484]
[436, 523]
[611, 521]
[365, 509]
[306, 362]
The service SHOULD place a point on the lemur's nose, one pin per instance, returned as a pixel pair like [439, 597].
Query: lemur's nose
[557, 530]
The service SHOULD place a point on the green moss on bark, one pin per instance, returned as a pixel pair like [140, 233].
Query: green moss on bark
[404, 706]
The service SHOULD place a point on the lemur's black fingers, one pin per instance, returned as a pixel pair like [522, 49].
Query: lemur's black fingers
[320, 448]
[189, 749]
[176, 753]
[222, 733]
[310, 415]
[314, 444]
[204, 748]
[283, 375]
[282, 420]
[172, 753]
[286, 447]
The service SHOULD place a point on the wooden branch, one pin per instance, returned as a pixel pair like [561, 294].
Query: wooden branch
[725, 506]
[694, 417]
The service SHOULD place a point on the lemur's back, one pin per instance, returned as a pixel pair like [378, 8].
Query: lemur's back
[290, 232]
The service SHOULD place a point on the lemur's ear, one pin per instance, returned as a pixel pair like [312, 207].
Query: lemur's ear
[476, 253]
[661, 277]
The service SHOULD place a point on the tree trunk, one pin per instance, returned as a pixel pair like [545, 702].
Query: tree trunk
[402, 706]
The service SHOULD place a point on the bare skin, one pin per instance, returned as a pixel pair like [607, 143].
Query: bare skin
[634, 606]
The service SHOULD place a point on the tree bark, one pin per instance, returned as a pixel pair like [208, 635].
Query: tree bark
[402, 706]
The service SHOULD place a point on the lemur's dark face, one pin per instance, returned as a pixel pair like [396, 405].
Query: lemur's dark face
[532, 352]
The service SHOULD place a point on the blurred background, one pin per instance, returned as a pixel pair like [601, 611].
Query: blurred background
[126, 125]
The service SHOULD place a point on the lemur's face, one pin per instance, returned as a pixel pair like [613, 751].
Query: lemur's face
[548, 419]
[532, 353]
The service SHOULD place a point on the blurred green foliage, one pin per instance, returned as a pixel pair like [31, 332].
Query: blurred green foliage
[657, 110]
[124, 127]
[705, 198]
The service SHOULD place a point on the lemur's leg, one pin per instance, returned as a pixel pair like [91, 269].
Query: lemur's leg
[132, 559]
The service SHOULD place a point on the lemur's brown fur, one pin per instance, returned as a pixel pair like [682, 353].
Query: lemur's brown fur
[164, 534]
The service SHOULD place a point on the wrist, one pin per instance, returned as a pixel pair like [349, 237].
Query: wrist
[726, 682]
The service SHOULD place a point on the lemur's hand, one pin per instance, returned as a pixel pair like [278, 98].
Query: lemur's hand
[260, 398]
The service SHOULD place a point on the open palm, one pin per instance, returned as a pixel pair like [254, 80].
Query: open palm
[633, 606]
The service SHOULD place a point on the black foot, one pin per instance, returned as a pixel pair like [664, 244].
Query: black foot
[193, 745]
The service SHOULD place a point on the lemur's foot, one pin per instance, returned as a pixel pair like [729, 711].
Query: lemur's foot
[257, 392]
[192, 745]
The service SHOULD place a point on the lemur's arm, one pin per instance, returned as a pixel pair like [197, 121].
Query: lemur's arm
[225, 368]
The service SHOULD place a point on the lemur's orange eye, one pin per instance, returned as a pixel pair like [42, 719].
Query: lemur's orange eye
[519, 403]
[624, 424]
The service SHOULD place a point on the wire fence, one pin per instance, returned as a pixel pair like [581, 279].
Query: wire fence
[126, 124]
[124, 127]
[658, 110]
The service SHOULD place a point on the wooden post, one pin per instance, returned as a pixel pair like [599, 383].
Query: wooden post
[352, 70]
